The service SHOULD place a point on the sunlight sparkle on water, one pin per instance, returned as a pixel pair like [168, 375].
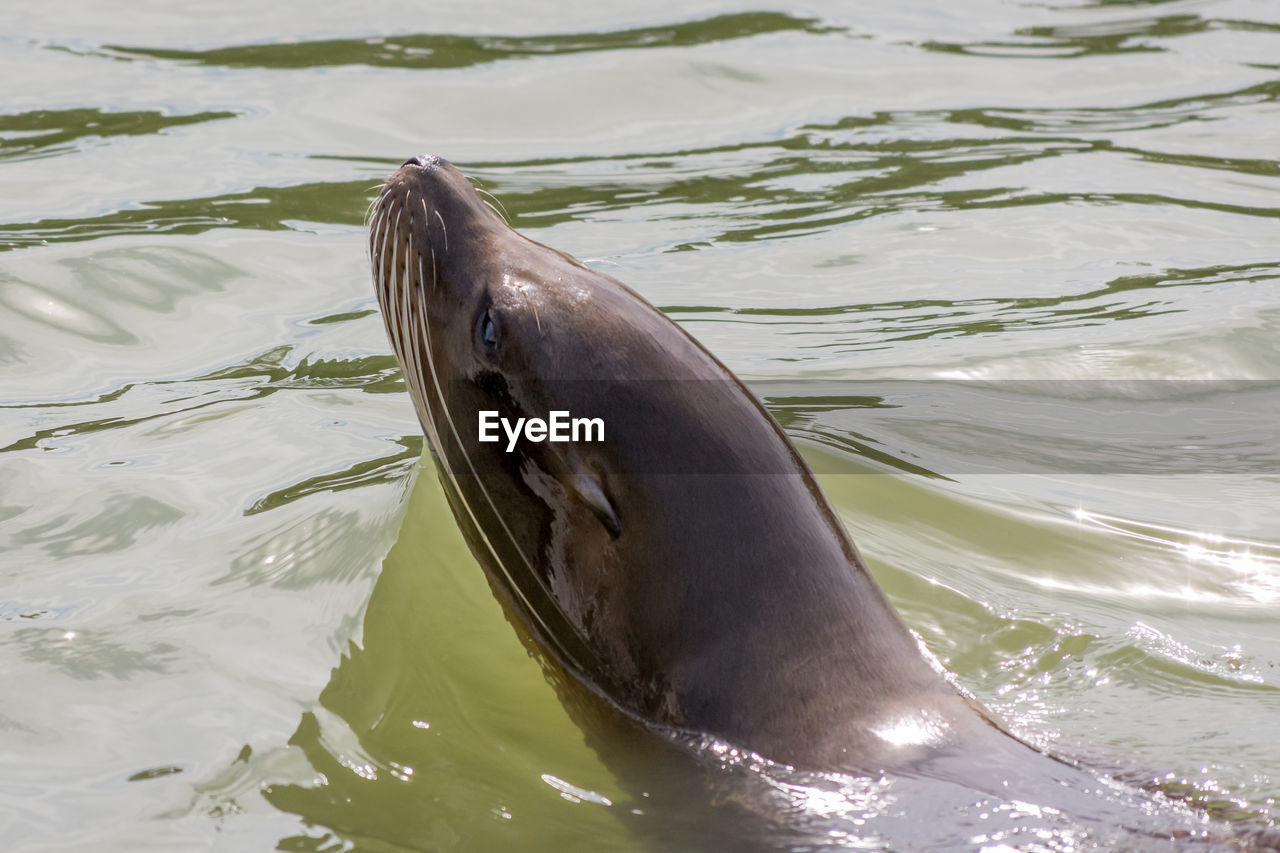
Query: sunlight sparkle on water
[575, 794]
[1250, 568]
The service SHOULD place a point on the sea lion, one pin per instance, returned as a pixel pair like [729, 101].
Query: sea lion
[688, 567]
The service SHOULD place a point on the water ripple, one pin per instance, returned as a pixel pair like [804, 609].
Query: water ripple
[428, 50]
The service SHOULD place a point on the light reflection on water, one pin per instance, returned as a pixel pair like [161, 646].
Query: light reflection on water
[1250, 568]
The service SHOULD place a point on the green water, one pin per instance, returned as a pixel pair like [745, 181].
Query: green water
[235, 613]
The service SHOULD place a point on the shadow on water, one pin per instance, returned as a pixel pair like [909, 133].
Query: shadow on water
[946, 430]
[384, 469]
[260, 209]
[254, 378]
[460, 51]
[878, 181]
[438, 732]
[52, 133]
[94, 655]
[1065, 42]
[816, 179]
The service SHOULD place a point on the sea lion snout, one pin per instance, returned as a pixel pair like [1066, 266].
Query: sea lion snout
[424, 161]
[429, 227]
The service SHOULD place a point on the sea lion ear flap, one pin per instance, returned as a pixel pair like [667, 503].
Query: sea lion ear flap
[591, 493]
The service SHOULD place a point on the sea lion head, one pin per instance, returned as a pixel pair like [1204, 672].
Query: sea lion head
[620, 563]
[483, 319]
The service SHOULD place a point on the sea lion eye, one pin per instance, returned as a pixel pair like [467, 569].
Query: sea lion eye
[488, 333]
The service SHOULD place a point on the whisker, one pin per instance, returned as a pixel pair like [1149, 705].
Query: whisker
[387, 271]
[376, 227]
[379, 200]
[405, 317]
[503, 212]
[395, 257]
[434, 278]
[422, 341]
[444, 229]
[371, 246]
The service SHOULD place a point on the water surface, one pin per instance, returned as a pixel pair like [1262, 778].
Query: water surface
[1007, 272]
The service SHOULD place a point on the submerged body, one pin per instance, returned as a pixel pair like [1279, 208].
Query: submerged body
[687, 567]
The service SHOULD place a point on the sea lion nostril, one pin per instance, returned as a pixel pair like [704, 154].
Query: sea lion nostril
[425, 161]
